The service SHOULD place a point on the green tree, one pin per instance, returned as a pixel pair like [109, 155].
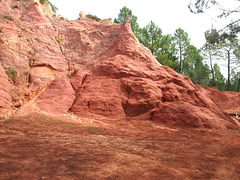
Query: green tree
[182, 42]
[53, 7]
[235, 80]
[229, 47]
[194, 67]
[210, 51]
[166, 54]
[127, 13]
[231, 29]
[231, 51]
[160, 45]
[219, 78]
[200, 6]
[151, 36]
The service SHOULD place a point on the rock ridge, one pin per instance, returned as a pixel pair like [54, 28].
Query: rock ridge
[94, 69]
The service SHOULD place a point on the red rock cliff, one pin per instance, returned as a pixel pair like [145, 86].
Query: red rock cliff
[92, 69]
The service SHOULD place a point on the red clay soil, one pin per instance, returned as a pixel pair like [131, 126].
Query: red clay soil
[40, 147]
[92, 69]
[136, 118]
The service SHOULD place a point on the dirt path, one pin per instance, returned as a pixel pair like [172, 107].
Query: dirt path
[45, 148]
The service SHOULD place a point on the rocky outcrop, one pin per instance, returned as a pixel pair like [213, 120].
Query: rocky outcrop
[227, 101]
[57, 98]
[94, 69]
[5, 88]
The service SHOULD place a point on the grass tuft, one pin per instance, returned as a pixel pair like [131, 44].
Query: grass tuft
[91, 129]
[12, 73]
[9, 17]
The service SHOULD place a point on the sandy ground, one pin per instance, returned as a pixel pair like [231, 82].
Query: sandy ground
[39, 147]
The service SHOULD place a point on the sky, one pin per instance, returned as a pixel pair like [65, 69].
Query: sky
[169, 15]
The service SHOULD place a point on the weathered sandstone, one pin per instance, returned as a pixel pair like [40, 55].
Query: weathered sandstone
[96, 69]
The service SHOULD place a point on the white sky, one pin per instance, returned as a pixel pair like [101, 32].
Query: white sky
[166, 14]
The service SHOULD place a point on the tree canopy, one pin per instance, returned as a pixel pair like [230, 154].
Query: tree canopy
[53, 7]
[182, 42]
[230, 30]
[127, 13]
[177, 52]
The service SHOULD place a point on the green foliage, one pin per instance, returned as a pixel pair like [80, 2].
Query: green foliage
[212, 36]
[10, 121]
[224, 46]
[219, 78]
[15, 94]
[231, 30]
[182, 42]
[150, 37]
[211, 52]
[56, 122]
[199, 6]
[12, 73]
[91, 129]
[94, 17]
[231, 50]
[127, 13]
[166, 54]
[15, 6]
[53, 7]
[42, 1]
[235, 80]
[215, 37]
[194, 68]
[9, 17]
[58, 39]
[24, 29]
[160, 45]
[177, 52]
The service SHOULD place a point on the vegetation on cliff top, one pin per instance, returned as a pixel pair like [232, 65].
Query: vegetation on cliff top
[54, 8]
[12, 73]
[177, 52]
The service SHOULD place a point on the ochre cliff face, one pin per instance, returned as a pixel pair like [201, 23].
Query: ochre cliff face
[93, 69]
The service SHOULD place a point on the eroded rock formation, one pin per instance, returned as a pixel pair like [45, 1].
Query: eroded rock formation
[93, 69]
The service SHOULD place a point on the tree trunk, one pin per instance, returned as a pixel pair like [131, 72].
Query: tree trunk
[213, 76]
[228, 86]
[238, 83]
[180, 60]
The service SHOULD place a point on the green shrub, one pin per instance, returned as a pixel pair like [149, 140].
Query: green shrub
[9, 17]
[24, 29]
[92, 129]
[58, 40]
[27, 73]
[42, 1]
[15, 6]
[54, 8]
[93, 17]
[12, 73]
[10, 121]
[15, 121]
[15, 94]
